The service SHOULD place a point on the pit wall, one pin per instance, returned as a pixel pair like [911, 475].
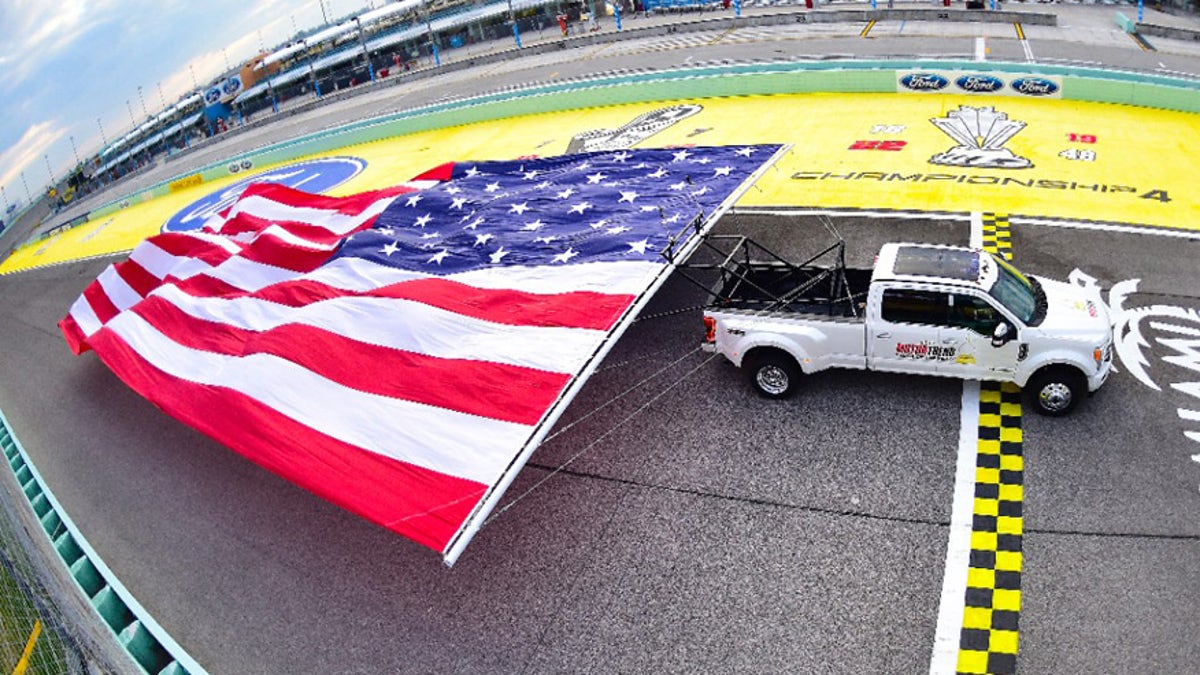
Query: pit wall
[849, 76]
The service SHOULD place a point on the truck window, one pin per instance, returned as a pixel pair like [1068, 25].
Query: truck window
[902, 305]
[974, 314]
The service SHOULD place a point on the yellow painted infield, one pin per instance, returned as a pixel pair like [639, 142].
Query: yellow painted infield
[1087, 161]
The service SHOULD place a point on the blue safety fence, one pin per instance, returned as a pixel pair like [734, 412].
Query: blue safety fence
[145, 641]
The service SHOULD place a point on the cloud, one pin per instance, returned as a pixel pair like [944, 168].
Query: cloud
[32, 147]
[37, 32]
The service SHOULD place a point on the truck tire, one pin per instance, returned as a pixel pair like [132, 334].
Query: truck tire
[1056, 390]
[773, 373]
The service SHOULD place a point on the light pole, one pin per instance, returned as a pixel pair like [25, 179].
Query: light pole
[323, 14]
[76, 151]
[195, 84]
[143, 100]
[312, 75]
[26, 184]
[4, 193]
[161, 98]
[49, 171]
[366, 54]
[102, 138]
[512, 18]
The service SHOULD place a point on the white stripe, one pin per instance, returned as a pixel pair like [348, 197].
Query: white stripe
[286, 236]
[449, 442]
[405, 325]
[248, 275]
[85, 317]
[334, 221]
[958, 547]
[154, 260]
[625, 278]
[118, 291]
[975, 240]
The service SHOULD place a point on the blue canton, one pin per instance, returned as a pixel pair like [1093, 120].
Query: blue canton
[599, 206]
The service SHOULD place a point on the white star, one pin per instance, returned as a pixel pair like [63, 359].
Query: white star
[412, 201]
[389, 248]
[474, 224]
[565, 193]
[620, 157]
[518, 208]
[628, 196]
[679, 186]
[438, 257]
[545, 240]
[616, 230]
[499, 255]
[580, 208]
[599, 224]
[642, 165]
[389, 231]
[701, 191]
[744, 152]
[472, 172]
[566, 255]
[681, 155]
[638, 246]
[534, 226]
[481, 239]
[648, 209]
[722, 171]
[584, 166]
[530, 175]
[491, 187]
[596, 177]
[452, 190]
[423, 220]
[673, 219]
[543, 185]
[704, 160]
[657, 174]
[430, 235]
[458, 203]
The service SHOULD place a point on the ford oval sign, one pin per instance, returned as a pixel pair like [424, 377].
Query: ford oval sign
[317, 175]
[924, 82]
[980, 84]
[1034, 86]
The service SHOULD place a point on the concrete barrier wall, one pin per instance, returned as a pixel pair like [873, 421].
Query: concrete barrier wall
[1168, 32]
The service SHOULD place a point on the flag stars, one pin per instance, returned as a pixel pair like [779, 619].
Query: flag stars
[565, 256]
[498, 255]
[458, 202]
[649, 208]
[679, 186]
[453, 190]
[722, 171]
[530, 175]
[599, 224]
[620, 157]
[389, 231]
[580, 208]
[639, 246]
[681, 155]
[534, 226]
[595, 178]
[543, 185]
[481, 239]
[474, 224]
[628, 196]
[412, 201]
[471, 172]
[545, 240]
[389, 248]
[492, 187]
[701, 192]
[617, 230]
[423, 220]
[438, 257]
[518, 209]
[657, 174]
[565, 194]
[704, 160]
[744, 152]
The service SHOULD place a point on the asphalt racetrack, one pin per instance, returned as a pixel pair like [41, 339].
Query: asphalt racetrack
[674, 521]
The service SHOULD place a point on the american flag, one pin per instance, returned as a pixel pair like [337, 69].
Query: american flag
[400, 352]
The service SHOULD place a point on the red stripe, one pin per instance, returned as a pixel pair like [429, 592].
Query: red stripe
[442, 172]
[273, 251]
[246, 222]
[493, 390]
[353, 204]
[76, 340]
[423, 505]
[98, 299]
[141, 281]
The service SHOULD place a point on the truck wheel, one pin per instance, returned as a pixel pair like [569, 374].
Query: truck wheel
[774, 374]
[1056, 391]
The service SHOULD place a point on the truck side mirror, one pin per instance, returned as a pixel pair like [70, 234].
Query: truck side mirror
[1000, 335]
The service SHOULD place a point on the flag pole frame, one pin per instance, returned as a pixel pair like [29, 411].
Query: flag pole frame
[484, 508]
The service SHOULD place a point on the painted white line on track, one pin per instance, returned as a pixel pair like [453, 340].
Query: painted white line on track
[1028, 51]
[1107, 227]
[980, 49]
[944, 660]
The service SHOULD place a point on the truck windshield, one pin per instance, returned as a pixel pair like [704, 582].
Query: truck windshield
[1015, 291]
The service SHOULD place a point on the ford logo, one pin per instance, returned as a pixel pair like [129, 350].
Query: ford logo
[1034, 86]
[984, 84]
[924, 81]
[315, 176]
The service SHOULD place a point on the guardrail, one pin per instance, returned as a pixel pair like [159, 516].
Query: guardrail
[148, 645]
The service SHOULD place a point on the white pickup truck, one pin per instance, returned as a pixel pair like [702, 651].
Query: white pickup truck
[924, 309]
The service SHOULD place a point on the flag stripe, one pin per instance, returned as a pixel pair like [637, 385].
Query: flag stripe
[431, 506]
[445, 441]
[492, 390]
[98, 301]
[139, 279]
[406, 325]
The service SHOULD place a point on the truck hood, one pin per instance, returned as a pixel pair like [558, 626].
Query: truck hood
[1076, 312]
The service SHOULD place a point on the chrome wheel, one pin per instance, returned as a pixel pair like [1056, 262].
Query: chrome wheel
[1055, 397]
[772, 379]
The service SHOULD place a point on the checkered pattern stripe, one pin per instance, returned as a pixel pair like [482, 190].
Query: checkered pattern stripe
[996, 236]
[993, 601]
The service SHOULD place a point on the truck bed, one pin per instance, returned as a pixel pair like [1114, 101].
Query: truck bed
[777, 287]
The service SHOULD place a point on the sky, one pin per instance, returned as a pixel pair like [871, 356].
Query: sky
[75, 71]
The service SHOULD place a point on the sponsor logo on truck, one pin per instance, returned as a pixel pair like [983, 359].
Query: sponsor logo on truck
[924, 351]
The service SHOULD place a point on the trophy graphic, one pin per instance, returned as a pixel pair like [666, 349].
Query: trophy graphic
[981, 134]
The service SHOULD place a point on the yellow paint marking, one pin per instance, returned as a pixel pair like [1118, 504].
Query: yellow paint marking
[867, 29]
[1020, 31]
[720, 37]
[23, 663]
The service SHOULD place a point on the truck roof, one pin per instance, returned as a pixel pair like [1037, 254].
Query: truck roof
[932, 262]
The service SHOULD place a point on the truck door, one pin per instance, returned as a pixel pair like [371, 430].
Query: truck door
[904, 337]
[973, 319]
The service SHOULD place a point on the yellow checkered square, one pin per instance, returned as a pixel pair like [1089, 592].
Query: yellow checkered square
[1006, 599]
[1011, 493]
[970, 661]
[983, 541]
[1012, 463]
[1010, 409]
[986, 475]
[1011, 434]
[1004, 641]
[977, 617]
[1008, 561]
[989, 446]
[989, 420]
[1009, 525]
[980, 578]
[987, 507]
